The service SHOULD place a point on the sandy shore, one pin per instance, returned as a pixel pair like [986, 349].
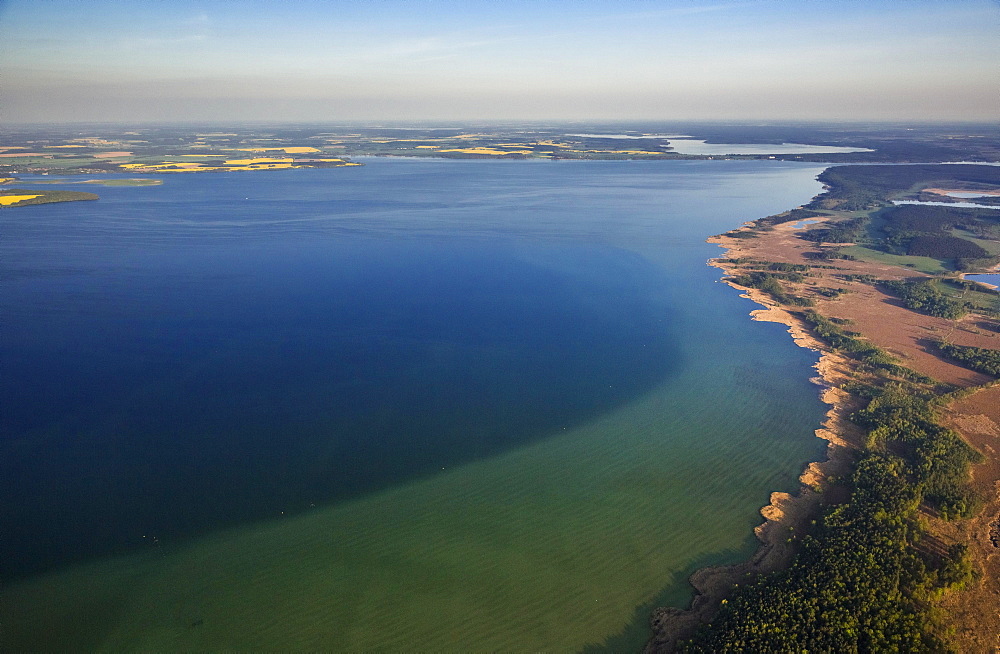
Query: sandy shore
[972, 615]
[786, 513]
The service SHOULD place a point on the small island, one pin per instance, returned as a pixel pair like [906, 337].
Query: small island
[17, 197]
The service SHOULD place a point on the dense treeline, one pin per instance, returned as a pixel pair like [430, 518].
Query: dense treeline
[768, 282]
[925, 231]
[759, 264]
[900, 417]
[849, 588]
[915, 230]
[788, 267]
[844, 231]
[928, 219]
[924, 295]
[980, 359]
[839, 339]
[864, 187]
[861, 581]
[945, 247]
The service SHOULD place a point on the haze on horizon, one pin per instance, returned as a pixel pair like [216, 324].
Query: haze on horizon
[350, 60]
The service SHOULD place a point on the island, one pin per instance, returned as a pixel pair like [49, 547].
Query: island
[892, 542]
[17, 197]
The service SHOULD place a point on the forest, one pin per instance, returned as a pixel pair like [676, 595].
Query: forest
[858, 187]
[865, 573]
[978, 358]
[924, 295]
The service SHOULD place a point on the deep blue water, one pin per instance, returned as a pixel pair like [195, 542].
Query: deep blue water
[221, 348]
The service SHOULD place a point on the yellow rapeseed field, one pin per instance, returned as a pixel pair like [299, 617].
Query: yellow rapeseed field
[491, 151]
[616, 151]
[257, 160]
[257, 163]
[169, 165]
[287, 150]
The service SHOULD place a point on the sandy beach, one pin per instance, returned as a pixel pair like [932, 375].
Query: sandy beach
[971, 614]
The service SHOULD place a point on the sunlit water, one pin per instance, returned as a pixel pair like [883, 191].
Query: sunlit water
[993, 279]
[698, 146]
[435, 405]
[954, 205]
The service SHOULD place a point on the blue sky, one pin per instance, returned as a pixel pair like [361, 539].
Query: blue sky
[381, 60]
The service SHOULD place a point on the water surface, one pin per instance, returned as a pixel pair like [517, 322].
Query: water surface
[460, 405]
[697, 146]
[956, 205]
[993, 279]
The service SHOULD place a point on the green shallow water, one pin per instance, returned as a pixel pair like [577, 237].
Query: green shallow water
[560, 544]
[553, 546]
[504, 554]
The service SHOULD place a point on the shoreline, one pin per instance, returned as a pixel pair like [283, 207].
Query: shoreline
[785, 512]
[841, 290]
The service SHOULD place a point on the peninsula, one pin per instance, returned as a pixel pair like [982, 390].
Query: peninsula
[16, 197]
[893, 541]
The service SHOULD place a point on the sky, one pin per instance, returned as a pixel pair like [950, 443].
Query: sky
[419, 60]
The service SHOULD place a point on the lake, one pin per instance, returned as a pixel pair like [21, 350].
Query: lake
[993, 279]
[698, 146]
[954, 205]
[419, 404]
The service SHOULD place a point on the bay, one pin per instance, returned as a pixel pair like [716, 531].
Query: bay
[450, 405]
[993, 279]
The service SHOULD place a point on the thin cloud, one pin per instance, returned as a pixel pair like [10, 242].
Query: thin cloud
[674, 12]
[196, 29]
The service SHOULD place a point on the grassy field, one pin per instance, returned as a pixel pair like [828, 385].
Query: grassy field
[923, 264]
[978, 299]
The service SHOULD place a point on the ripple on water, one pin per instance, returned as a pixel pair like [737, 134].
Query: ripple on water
[553, 542]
